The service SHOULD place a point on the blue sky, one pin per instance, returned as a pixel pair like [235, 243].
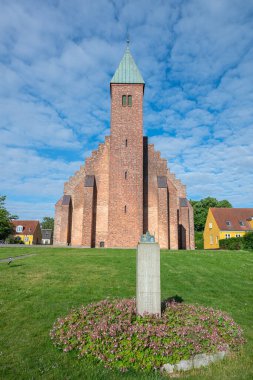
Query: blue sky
[56, 62]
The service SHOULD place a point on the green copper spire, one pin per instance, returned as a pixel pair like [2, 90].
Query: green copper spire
[127, 72]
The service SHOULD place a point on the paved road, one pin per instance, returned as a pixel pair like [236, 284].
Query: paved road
[16, 258]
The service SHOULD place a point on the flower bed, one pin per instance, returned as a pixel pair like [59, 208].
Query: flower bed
[111, 332]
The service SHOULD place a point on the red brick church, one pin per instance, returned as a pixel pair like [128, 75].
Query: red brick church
[125, 188]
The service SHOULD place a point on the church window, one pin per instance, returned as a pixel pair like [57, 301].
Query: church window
[124, 100]
[125, 209]
[125, 175]
[126, 143]
[129, 100]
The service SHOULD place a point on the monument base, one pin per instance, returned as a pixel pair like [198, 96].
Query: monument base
[148, 287]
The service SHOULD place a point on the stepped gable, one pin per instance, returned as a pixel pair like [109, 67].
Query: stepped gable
[125, 187]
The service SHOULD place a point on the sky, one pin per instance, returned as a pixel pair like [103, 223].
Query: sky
[57, 58]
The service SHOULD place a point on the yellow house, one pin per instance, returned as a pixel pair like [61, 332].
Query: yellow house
[28, 231]
[225, 223]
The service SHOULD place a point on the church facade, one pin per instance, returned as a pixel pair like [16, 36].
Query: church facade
[125, 188]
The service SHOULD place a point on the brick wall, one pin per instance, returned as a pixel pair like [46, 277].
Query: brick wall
[126, 167]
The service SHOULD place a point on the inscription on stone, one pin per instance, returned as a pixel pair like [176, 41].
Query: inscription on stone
[148, 288]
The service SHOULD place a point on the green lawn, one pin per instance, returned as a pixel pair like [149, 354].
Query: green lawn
[38, 289]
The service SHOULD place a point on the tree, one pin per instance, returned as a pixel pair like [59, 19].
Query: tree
[47, 223]
[201, 208]
[6, 227]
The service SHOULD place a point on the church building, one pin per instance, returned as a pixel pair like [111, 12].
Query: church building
[125, 188]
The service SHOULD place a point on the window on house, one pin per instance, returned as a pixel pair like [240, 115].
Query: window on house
[211, 239]
[238, 235]
[125, 175]
[19, 228]
[227, 236]
[129, 100]
[125, 209]
[124, 100]
[126, 142]
[210, 225]
[228, 223]
[217, 239]
[241, 222]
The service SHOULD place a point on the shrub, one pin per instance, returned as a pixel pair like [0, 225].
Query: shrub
[244, 242]
[199, 240]
[14, 240]
[112, 332]
[233, 243]
[248, 240]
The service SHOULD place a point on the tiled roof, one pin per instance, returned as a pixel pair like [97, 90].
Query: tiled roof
[127, 72]
[234, 216]
[46, 233]
[29, 226]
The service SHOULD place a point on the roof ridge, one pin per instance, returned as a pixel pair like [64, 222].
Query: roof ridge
[25, 220]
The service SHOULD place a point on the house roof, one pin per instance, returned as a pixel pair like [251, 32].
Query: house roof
[127, 72]
[46, 233]
[29, 226]
[234, 216]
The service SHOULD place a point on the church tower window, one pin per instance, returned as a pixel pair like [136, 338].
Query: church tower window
[125, 174]
[129, 100]
[126, 143]
[125, 209]
[124, 100]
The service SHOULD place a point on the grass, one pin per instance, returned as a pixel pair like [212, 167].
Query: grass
[36, 290]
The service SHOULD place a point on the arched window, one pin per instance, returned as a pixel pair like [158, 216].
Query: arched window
[125, 174]
[129, 100]
[125, 209]
[124, 100]
[126, 142]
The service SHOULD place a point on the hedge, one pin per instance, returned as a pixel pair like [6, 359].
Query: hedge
[244, 242]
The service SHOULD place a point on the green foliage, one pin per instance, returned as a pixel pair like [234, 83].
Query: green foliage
[245, 242]
[6, 227]
[47, 223]
[248, 240]
[199, 240]
[232, 244]
[111, 332]
[14, 240]
[201, 208]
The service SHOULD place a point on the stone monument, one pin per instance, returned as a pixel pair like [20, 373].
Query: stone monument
[148, 287]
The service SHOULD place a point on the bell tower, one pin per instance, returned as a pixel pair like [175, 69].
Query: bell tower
[125, 222]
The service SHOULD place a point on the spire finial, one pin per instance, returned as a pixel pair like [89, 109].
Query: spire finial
[128, 39]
